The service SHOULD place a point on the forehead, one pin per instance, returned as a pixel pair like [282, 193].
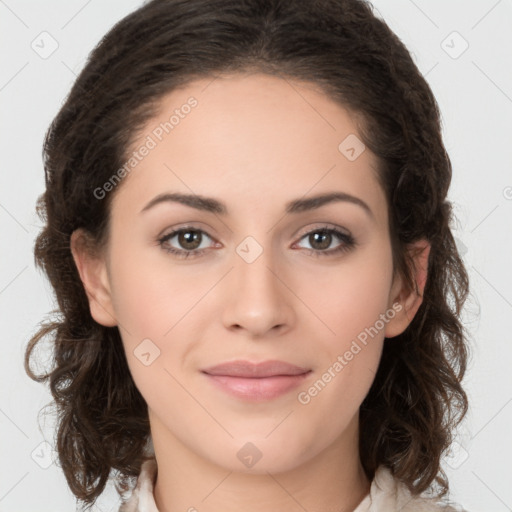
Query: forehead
[254, 139]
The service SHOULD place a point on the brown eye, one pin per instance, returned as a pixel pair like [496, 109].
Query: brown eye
[189, 239]
[321, 239]
[188, 242]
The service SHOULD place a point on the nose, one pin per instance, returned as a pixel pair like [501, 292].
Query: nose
[259, 298]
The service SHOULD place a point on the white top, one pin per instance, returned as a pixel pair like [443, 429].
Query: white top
[386, 495]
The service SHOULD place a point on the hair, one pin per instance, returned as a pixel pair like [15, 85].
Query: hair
[416, 399]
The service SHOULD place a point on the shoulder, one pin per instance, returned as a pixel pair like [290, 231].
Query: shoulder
[387, 494]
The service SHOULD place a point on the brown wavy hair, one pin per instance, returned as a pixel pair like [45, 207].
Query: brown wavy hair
[416, 400]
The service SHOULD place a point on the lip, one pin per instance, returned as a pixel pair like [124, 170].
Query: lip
[256, 381]
[247, 369]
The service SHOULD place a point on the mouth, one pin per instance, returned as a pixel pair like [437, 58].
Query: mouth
[256, 381]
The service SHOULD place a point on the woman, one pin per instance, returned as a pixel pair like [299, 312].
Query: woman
[204, 354]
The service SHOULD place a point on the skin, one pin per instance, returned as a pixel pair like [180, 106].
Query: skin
[254, 142]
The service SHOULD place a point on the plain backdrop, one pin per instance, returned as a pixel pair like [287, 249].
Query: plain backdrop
[464, 48]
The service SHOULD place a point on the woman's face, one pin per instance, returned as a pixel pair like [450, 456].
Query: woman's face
[265, 284]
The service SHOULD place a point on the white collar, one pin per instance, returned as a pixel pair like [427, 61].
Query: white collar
[386, 495]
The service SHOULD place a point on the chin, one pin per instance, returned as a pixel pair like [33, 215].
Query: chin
[261, 456]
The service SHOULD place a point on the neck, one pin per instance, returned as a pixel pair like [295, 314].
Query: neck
[332, 480]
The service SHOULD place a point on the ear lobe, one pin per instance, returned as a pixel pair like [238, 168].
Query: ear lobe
[409, 300]
[93, 274]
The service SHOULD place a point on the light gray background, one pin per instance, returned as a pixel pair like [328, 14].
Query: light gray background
[474, 91]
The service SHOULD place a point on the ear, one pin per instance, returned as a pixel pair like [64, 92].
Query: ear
[404, 301]
[93, 272]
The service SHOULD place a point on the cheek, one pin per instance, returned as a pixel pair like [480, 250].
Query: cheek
[351, 297]
[348, 358]
[352, 303]
[158, 307]
[150, 297]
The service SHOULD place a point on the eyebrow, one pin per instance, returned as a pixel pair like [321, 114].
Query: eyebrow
[210, 204]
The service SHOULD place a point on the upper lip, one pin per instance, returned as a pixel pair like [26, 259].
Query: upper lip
[255, 370]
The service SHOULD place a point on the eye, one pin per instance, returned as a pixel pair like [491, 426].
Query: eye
[320, 239]
[188, 238]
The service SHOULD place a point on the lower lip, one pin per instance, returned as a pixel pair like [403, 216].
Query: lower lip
[257, 389]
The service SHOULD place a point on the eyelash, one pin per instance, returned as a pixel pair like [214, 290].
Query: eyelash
[348, 242]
